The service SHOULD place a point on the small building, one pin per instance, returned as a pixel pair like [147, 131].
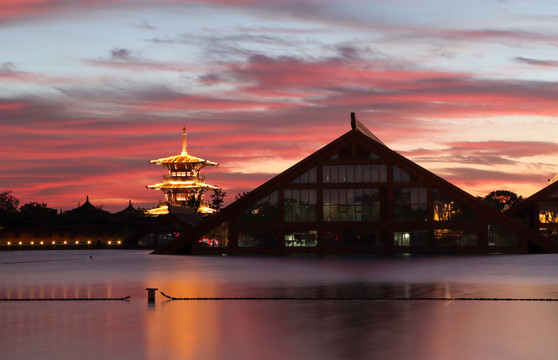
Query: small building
[540, 211]
[357, 196]
[183, 183]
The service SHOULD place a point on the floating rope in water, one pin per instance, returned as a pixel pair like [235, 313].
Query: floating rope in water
[68, 299]
[361, 298]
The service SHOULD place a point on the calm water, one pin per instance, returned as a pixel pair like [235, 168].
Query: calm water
[275, 329]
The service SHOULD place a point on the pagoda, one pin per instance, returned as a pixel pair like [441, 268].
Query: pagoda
[183, 181]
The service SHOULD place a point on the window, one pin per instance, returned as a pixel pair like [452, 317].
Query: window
[501, 236]
[354, 238]
[400, 175]
[266, 209]
[548, 212]
[410, 238]
[410, 204]
[455, 237]
[301, 238]
[446, 209]
[360, 173]
[217, 237]
[551, 233]
[308, 177]
[351, 205]
[300, 205]
[257, 238]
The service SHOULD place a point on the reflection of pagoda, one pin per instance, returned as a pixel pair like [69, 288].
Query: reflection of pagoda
[183, 181]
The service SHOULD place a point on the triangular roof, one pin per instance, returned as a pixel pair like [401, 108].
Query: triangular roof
[184, 157]
[358, 134]
[542, 194]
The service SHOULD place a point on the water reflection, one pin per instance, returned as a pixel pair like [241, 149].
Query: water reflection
[276, 329]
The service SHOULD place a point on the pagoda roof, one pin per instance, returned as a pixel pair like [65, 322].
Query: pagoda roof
[184, 157]
[183, 185]
[181, 159]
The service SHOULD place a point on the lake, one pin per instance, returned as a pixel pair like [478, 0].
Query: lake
[372, 327]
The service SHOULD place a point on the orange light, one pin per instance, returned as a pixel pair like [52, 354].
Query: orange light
[110, 242]
[19, 243]
[89, 241]
[42, 242]
[53, 243]
[119, 242]
[65, 242]
[31, 242]
[9, 243]
[77, 242]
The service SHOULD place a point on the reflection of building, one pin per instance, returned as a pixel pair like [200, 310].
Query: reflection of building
[540, 211]
[357, 196]
[183, 182]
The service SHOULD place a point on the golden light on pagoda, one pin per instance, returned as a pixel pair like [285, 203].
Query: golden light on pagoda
[183, 179]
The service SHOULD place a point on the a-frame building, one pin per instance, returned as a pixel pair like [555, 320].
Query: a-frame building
[357, 196]
[540, 211]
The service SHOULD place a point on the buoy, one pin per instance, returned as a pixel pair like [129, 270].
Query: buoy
[151, 295]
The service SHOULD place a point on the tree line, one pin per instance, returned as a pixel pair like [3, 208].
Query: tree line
[9, 204]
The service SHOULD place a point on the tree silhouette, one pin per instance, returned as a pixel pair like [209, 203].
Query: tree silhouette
[8, 203]
[502, 199]
[217, 199]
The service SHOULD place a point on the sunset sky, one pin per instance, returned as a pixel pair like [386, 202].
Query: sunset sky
[91, 90]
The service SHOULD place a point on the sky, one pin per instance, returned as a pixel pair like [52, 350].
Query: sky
[91, 90]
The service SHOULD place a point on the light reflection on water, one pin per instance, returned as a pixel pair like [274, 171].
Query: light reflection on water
[275, 329]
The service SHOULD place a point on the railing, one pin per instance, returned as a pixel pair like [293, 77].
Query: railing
[200, 179]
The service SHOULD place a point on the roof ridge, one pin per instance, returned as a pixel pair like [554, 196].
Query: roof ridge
[358, 126]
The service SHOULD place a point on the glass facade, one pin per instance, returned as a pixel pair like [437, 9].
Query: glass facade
[501, 236]
[548, 212]
[300, 205]
[455, 237]
[410, 204]
[308, 177]
[447, 209]
[264, 210]
[410, 238]
[217, 237]
[307, 238]
[351, 205]
[355, 238]
[258, 238]
[359, 173]
[400, 175]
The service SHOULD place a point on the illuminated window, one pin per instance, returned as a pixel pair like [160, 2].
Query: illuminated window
[446, 208]
[301, 238]
[548, 212]
[455, 237]
[410, 204]
[410, 238]
[351, 205]
[300, 205]
[217, 237]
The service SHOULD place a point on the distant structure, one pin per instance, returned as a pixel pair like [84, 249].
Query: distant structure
[183, 182]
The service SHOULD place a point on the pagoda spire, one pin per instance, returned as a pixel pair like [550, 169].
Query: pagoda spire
[184, 141]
